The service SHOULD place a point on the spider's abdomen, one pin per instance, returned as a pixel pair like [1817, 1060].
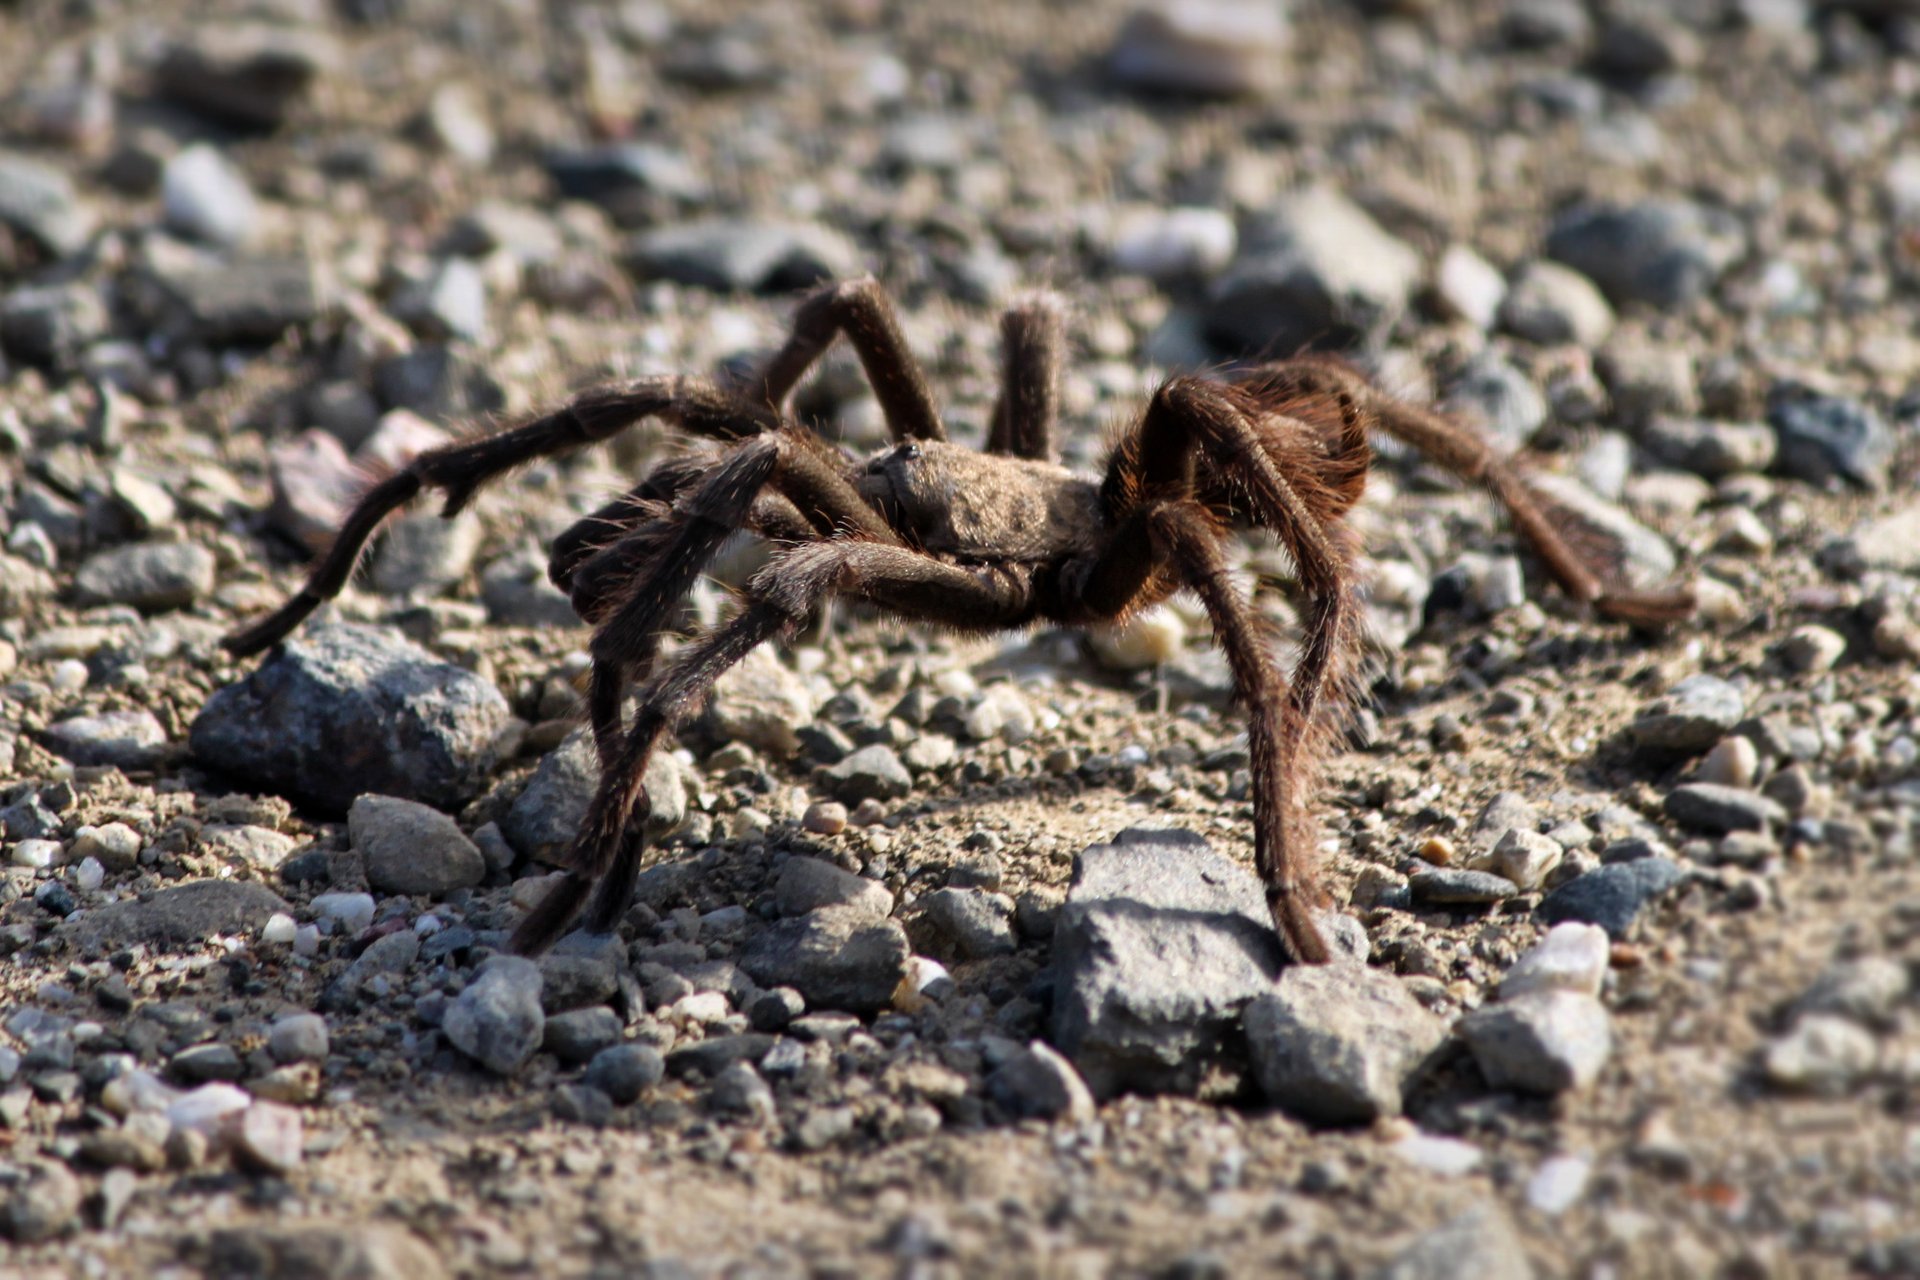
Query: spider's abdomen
[974, 506]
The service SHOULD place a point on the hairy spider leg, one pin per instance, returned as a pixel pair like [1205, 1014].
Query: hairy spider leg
[1032, 337]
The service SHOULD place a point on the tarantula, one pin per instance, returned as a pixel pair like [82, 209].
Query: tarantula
[930, 530]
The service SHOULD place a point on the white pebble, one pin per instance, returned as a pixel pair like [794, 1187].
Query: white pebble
[1165, 243]
[1559, 1183]
[1149, 638]
[1448, 1157]
[206, 1109]
[279, 929]
[89, 875]
[1572, 957]
[1734, 762]
[37, 854]
[351, 912]
[428, 925]
[306, 941]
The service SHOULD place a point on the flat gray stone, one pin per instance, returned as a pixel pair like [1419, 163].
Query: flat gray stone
[184, 913]
[1160, 946]
[412, 848]
[1708, 806]
[969, 924]
[133, 739]
[835, 958]
[148, 575]
[1339, 1043]
[807, 884]
[1693, 716]
[1480, 1243]
[497, 1020]
[1543, 1042]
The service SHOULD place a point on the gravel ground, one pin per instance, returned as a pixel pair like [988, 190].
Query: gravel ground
[954, 965]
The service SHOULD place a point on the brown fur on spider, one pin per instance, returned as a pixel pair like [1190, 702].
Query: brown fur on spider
[936, 532]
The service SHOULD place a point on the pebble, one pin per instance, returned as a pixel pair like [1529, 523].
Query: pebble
[1201, 48]
[774, 1010]
[1468, 287]
[1704, 806]
[50, 325]
[422, 555]
[1549, 303]
[204, 197]
[410, 848]
[1711, 450]
[1890, 542]
[762, 703]
[150, 576]
[298, 1037]
[203, 1062]
[1866, 990]
[1161, 944]
[1611, 896]
[739, 256]
[248, 300]
[1454, 886]
[183, 914]
[247, 75]
[1480, 1243]
[834, 957]
[546, 816]
[825, 817]
[1526, 858]
[1340, 1043]
[1662, 252]
[1314, 269]
[42, 1204]
[417, 728]
[1545, 24]
[582, 969]
[811, 884]
[497, 1020]
[1826, 438]
[270, 1138]
[1812, 650]
[208, 1110]
[456, 121]
[969, 924]
[1500, 398]
[1693, 716]
[1557, 1185]
[353, 912]
[1036, 1083]
[625, 1071]
[40, 203]
[1571, 957]
[1821, 1054]
[1543, 1042]
[124, 739]
[872, 773]
[1149, 638]
[1171, 244]
[580, 1034]
[36, 855]
[1445, 1157]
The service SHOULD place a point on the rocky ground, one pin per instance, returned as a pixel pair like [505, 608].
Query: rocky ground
[953, 964]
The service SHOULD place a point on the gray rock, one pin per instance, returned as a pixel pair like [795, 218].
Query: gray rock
[391, 953]
[50, 325]
[1201, 51]
[547, 814]
[761, 702]
[808, 884]
[583, 969]
[364, 1250]
[39, 202]
[249, 300]
[247, 76]
[497, 1020]
[1821, 1054]
[451, 302]
[1544, 1042]
[1340, 1043]
[124, 739]
[298, 1037]
[437, 383]
[738, 256]
[1456, 886]
[517, 593]
[203, 1062]
[1038, 1084]
[181, 914]
[342, 710]
[1549, 303]
[969, 924]
[424, 554]
[1315, 270]
[1868, 990]
[1480, 1243]
[1662, 252]
[1640, 46]
[1543, 24]
[1890, 542]
[835, 958]
[1707, 806]
[410, 848]
[626, 179]
[1161, 944]
[625, 1071]
[147, 575]
[1644, 557]
[1711, 450]
[43, 1203]
[1693, 716]
[1498, 397]
[529, 234]
[579, 1034]
[1611, 896]
[1525, 857]
[205, 198]
[1468, 286]
[1826, 438]
[871, 773]
[741, 1091]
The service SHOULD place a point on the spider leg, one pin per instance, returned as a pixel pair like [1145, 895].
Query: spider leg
[1578, 563]
[606, 855]
[1031, 336]
[460, 469]
[861, 310]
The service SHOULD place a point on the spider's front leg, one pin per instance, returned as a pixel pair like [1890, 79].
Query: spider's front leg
[861, 310]
[606, 855]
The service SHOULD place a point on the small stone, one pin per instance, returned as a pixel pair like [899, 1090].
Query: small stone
[1453, 886]
[50, 325]
[1822, 1054]
[247, 300]
[1202, 48]
[1829, 438]
[342, 710]
[270, 1138]
[456, 121]
[209, 1111]
[740, 256]
[1038, 1084]
[546, 816]
[1526, 858]
[497, 1020]
[205, 198]
[1557, 1185]
[1611, 896]
[42, 1204]
[1545, 1042]
[150, 576]
[1550, 304]
[245, 75]
[1663, 252]
[39, 201]
[421, 555]
[583, 969]
[774, 1010]
[1866, 990]
[969, 924]
[625, 1071]
[183, 914]
[871, 773]
[36, 855]
[834, 957]
[825, 818]
[1735, 762]
[741, 1091]
[809, 884]
[1812, 650]
[204, 1062]
[1693, 716]
[352, 911]
[1706, 807]
[1469, 287]
[1314, 270]
[410, 848]
[298, 1037]
[1340, 1043]
[125, 739]
[1572, 957]
[1480, 1243]
[579, 1034]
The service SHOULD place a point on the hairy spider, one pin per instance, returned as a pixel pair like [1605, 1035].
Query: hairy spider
[930, 530]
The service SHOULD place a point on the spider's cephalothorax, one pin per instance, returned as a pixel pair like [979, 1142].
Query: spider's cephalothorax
[933, 531]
